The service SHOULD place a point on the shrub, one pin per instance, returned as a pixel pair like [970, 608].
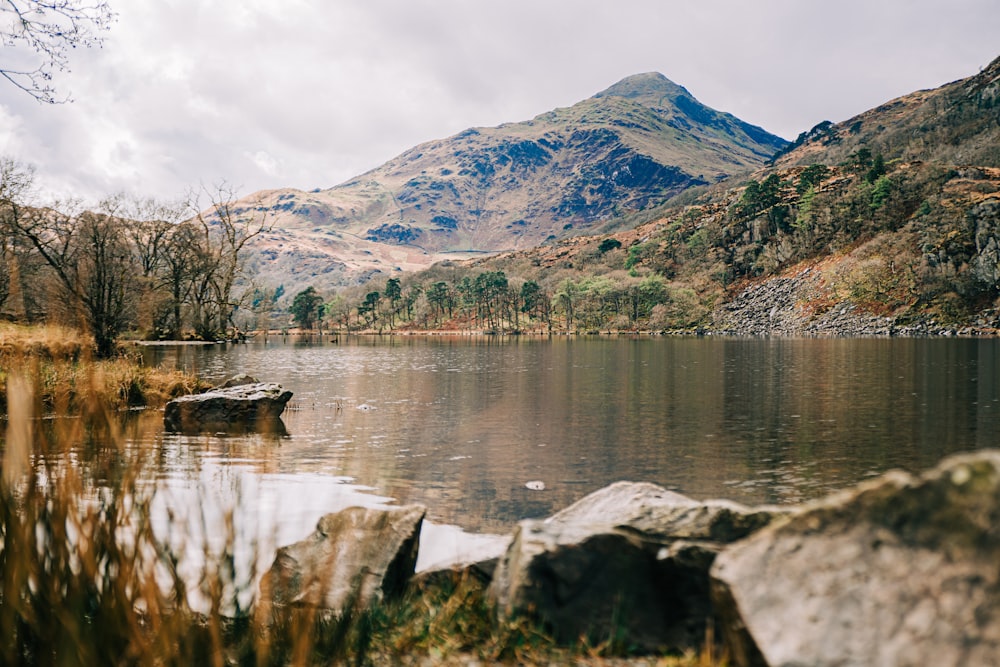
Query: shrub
[608, 245]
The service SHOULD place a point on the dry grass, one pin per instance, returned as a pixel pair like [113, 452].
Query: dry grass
[49, 341]
[452, 624]
[87, 581]
[68, 379]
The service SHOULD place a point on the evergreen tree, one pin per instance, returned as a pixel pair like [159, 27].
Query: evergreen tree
[305, 307]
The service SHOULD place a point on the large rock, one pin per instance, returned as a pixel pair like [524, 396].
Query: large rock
[356, 556]
[899, 571]
[628, 563]
[243, 406]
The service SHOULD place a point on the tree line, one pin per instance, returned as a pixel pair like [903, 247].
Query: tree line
[919, 250]
[493, 302]
[129, 264]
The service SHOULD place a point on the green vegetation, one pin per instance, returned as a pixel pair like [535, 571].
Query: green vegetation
[881, 190]
[671, 272]
[490, 301]
[608, 245]
[306, 307]
[811, 176]
[133, 267]
[758, 197]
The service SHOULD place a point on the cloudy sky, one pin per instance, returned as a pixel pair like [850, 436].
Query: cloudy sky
[308, 93]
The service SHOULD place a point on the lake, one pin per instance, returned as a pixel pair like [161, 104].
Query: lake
[463, 424]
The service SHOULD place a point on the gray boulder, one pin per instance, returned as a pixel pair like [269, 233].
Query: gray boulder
[254, 406]
[356, 557]
[628, 563]
[900, 570]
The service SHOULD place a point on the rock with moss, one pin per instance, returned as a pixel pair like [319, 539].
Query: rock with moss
[355, 557]
[627, 564]
[901, 570]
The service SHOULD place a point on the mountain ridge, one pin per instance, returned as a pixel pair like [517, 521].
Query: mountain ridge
[940, 124]
[636, 144]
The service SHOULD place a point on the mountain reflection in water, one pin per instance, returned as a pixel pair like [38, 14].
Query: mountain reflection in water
[462, 424]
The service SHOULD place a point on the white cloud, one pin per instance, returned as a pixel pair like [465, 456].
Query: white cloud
[306, 94]
[265, 162]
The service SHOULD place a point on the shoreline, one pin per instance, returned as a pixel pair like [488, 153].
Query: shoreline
[887, 330]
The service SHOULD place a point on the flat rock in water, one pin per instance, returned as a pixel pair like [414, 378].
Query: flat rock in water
[628, 563]
[901, 570]
[254, 406]
[355, 557]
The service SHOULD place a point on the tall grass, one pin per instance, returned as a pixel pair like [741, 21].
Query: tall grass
[68, 379]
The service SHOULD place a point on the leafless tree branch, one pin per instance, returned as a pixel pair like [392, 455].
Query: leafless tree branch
[50, 30]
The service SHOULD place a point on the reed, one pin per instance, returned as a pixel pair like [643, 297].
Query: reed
[68, 379]
[43, 340]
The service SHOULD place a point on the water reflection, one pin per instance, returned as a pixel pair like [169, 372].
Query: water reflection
[461, 424]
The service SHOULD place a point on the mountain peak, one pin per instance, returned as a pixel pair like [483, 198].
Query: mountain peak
[486, 190]
[649, 87]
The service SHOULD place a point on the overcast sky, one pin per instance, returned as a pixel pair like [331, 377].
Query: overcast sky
[308, 93]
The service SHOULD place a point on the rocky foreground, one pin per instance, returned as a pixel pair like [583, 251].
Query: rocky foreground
[900, 570]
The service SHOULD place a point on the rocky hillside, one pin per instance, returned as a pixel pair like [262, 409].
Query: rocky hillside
[958, 123]
[518, 185]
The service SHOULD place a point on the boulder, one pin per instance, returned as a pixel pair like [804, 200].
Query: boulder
[355, 557]
[665, 514]
[253, 406]
[628, 563]
[900, 570]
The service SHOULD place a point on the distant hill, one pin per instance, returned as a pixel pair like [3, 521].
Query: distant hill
[635, 145]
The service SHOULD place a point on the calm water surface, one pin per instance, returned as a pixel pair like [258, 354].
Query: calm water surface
[461, 424]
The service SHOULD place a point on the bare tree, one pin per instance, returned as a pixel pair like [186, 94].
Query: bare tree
[150, 225]
[92, 263]
[149, 231]
[49, 29]
[179, 268]
[226, 226]
[16, 186]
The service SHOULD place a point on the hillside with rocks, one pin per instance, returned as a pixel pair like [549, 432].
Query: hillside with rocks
[958, 123]
[485, 190]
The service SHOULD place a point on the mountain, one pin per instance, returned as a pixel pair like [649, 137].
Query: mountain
[635, 145]
[886, 223]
